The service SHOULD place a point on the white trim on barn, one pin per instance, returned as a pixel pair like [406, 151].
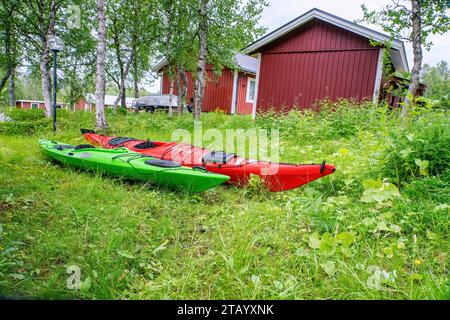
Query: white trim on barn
[249, 99]
[234, 95]
[378, 76]
[255, 100]
[398, 53]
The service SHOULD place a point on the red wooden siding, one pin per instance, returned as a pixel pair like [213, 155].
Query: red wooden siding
[316, 61]
[27, 104]
[190, 88]
[218, 90]
[243, 107]
[80, 104]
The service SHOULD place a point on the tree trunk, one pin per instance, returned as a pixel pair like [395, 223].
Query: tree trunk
[135, 81]
[7, 37]
[171, 98]
[135, 72]
[4, 79]
[417, 50]
[201, 65]
[178, 86]
[12, 97]
[181, 89]
[46, 31]
[45, 78]
[100, 69]
[123, 98]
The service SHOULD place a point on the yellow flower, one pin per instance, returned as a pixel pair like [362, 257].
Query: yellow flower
[418, 262]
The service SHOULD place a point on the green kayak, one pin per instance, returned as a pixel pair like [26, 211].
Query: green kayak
[131, 165]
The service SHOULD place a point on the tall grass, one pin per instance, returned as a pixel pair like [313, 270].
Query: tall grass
[376, 229]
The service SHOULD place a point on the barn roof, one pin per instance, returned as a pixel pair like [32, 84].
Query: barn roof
[398, 54]
[244, 62]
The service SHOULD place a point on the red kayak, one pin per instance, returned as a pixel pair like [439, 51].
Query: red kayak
[276, 176]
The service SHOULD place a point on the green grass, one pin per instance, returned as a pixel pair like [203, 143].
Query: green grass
[320, 241]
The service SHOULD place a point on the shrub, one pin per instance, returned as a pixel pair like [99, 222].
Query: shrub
[420, 148]
[25, 127]
[26, 114]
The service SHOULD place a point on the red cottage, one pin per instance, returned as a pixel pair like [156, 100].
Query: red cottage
[33, 104]
[231, 92]
[317, 56]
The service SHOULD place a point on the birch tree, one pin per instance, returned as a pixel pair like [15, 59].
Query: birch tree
[176, 38]
[129, 37]
[35, 23]
[8, 59]
[413, 21]
[77, 63]
[100, 117]
[223, 27]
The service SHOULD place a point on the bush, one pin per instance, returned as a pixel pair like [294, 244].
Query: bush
[26, 114]
[25, 127]
[420, 148]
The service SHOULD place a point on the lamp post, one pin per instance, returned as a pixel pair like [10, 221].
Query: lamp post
[56, 45]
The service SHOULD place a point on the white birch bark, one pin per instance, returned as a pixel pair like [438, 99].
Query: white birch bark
[100, 69]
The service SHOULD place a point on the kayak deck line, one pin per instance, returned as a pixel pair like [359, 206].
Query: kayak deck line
[132, 165]
[276, 176]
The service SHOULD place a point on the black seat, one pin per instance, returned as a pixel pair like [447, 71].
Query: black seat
[162, 163]
[218, 157]
[84, 146]
[119, 140]
[144, 145]
[62, 147]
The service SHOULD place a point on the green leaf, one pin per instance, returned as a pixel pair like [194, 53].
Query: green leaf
[161, 247]
[405, 152]
[346, 251]
[125, 254]
[431, 235]
[382, 226]
[86, 284]
[314, 240]
[256, 280]
[395, 228]
[346, 238]
[18, 276]
[378, 191]
[410, 137]
[442, 206]
[327, 244]
[416, 277]
[329, 267]
[423, 166]
[278, 285]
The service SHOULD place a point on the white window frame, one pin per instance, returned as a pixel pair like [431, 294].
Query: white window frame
[247, 96]
[34, 104]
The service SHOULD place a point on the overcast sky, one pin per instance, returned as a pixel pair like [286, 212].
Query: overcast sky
[280, 12]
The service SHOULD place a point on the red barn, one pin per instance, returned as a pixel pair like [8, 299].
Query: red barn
[231, 92]
[313, 57]
[320, 56]
[33, 104]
